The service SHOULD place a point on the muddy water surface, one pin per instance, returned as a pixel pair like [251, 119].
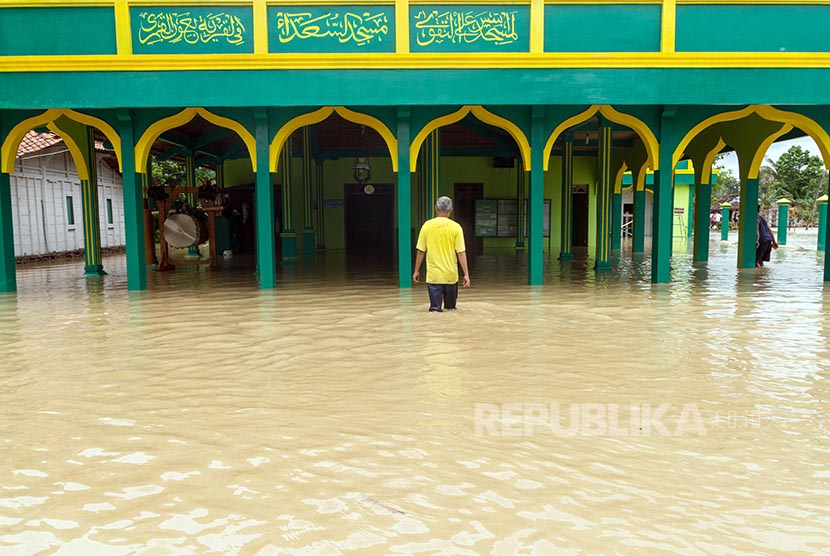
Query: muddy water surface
[336, 416]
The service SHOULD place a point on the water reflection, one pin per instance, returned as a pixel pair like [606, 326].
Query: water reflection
[335, 415]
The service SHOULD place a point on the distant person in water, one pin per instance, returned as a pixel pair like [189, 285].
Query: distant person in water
[442, 241]
[766, 242]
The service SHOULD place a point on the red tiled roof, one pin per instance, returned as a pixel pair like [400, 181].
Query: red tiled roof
[34, 142]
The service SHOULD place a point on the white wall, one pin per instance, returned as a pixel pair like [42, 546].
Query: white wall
[39, 187]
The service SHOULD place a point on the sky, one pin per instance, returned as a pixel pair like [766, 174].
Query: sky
[730, 161]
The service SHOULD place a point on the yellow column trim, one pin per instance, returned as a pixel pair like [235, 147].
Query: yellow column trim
[641, 177]
[402, 26]
[669, 26]
[708, 160]
[123, 32]
[260, 27]
[99, 124]
[618, 179]
[537, 26]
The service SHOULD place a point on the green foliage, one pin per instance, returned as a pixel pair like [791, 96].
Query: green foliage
[798, 175]
[728, 183]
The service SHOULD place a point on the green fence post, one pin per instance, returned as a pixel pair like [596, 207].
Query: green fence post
[724, 221]
[783, 219]
[822, 221]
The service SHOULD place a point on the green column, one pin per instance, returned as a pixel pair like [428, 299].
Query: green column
[430, 173]
[826, 258]
[663, 200]
[133, 205]
[321, 208]
[308, 193]
[288, 236]
[783, 219]
[748, 224]
[93, 264]
[264, 202]
[616, 221]
[404, 198]
[8, 277]
[604, 194]
[822, 222]
[703, 200]
[725, 209]
[566, 249]
[192, 198]
[639, 232]
[520, 205]
[536, 199]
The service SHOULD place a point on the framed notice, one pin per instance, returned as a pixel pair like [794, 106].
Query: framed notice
[500, 218]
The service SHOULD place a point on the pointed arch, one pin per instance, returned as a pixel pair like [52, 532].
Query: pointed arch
[613, 115]
[482, 114]
[800, 121]
[618, 179]
[709, 159]
[145, 143]
[318, 116]
[758, 159]
[8, 152]
[74, 149]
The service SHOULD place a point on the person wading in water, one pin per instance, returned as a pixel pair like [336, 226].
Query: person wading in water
[442, 241]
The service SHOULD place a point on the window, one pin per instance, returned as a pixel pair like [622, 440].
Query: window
[109, 211]
[70, 211]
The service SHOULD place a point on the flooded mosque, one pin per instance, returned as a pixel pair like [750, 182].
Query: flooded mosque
[651, 397]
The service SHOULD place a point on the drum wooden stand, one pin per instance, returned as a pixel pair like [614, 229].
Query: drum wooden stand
[208, 206]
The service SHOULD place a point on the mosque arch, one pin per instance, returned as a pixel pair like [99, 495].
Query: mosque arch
[641, 128]
[482, 114]
[144, 144]
[8, 152]
[318, 116]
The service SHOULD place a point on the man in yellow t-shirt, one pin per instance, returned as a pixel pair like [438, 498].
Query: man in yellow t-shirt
[442, 241]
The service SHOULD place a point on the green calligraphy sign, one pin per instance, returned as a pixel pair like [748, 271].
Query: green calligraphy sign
[469, 28]
[331, 28]
[192, 30]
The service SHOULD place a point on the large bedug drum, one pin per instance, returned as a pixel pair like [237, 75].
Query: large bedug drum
[184, 230]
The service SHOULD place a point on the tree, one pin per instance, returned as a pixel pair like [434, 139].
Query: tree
[797, 174]
[727, 183]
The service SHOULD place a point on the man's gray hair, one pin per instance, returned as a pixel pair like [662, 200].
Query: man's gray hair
[444, 204]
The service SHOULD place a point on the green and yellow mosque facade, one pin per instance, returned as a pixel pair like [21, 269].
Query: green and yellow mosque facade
[336, 124]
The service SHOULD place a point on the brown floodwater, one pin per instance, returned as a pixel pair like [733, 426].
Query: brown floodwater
[335, 415]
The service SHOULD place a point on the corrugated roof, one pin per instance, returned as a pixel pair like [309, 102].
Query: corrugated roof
[34, 142]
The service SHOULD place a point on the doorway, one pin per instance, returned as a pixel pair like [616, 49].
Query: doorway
[579, 216]
[464, 202]
[370, 219]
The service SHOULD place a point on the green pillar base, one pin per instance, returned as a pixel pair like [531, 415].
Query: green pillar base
[566, 256]
[603, 265]
[308, 242]
[94, 270]
[289, 248]
[520, 245]
[193, 253]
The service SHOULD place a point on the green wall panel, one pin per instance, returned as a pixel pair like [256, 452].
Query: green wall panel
[359, 28]
[192, 30]
[604, 28]
[770, 28]
[469, 28]
[56, 31]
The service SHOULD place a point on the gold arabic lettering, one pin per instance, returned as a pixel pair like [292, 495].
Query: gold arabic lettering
[360, 29]
[174, 27]
[466, 27]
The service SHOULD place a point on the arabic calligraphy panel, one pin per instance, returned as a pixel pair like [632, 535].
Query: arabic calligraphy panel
[192, 30]
[469, 28]
[358, 28]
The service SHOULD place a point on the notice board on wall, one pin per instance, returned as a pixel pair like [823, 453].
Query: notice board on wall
[500, 218]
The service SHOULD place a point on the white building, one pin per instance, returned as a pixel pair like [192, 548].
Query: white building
[46, 198]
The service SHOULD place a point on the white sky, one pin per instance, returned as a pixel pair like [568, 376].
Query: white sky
[730, 161]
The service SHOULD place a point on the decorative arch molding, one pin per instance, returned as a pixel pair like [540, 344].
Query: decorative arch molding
[758, 159]
[800, 121]
[318, 116]
[613, 115]
[482, 114]
[74, 149]
[8, 152]
[143, 146]
[709, 159]
[618, 179]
